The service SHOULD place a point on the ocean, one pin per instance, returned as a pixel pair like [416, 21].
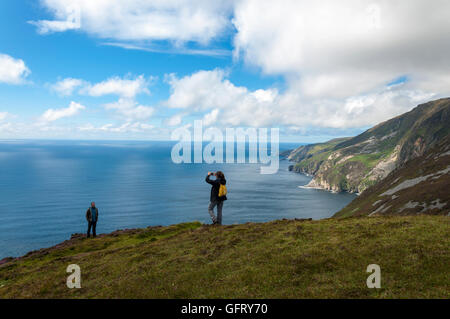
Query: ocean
[46, 188]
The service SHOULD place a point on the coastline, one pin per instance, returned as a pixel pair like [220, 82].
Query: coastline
[319, 188]
[313, 184]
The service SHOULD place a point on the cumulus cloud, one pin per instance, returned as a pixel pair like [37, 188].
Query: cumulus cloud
[341, 48]
[124, 87]
[223, 103]
[130, 109]
[203, 89]
[338, 58]
[52, 115]
[67, 86]
[126, 108]
[127, 87]
[174, 20]
[12, 71]
[212, 91]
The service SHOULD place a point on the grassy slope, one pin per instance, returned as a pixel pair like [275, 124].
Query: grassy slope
[279, 259]
[306, 151]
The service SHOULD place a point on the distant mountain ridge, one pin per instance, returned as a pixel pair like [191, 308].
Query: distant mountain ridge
[355, 164]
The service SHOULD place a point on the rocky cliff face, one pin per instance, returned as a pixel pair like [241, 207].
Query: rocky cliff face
[354, 164]
[419, 186]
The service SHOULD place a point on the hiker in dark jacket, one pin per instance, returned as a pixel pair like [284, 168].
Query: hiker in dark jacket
[92, 218]
[215, 200]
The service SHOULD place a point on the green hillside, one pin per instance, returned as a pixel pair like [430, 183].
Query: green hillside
[420, 186]
[279, 259]
[355, 164]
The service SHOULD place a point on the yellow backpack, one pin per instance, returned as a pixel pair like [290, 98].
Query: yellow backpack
[222, 190]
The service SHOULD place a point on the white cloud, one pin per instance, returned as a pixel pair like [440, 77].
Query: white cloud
[203, 90]
[69, 18]
[352, 112]
[34, 130]
[130, 109]
[177, 50]
[12, 71]
[336, 49]
[6, 127]
[127, 87]
[124, 87]
[211, 91]
[67, 86]
[133, 127]
[55, 114]
[223, 103]
[174, 20]
[337, 57]
[174, 120]
[211, 118]
[4, 116]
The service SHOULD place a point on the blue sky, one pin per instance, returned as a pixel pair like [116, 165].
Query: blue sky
[137, 70]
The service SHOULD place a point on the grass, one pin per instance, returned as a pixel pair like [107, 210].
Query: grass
[279, 259]
[369, 160]
[315, 160]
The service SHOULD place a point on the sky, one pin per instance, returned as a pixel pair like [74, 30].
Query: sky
[138, 69]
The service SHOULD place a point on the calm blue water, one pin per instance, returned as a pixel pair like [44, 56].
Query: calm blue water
[46, 187]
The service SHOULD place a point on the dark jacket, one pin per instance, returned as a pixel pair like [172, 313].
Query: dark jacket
[89, 214]
[215, 188]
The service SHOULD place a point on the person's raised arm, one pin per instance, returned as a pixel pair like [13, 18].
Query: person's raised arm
[208, 180]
